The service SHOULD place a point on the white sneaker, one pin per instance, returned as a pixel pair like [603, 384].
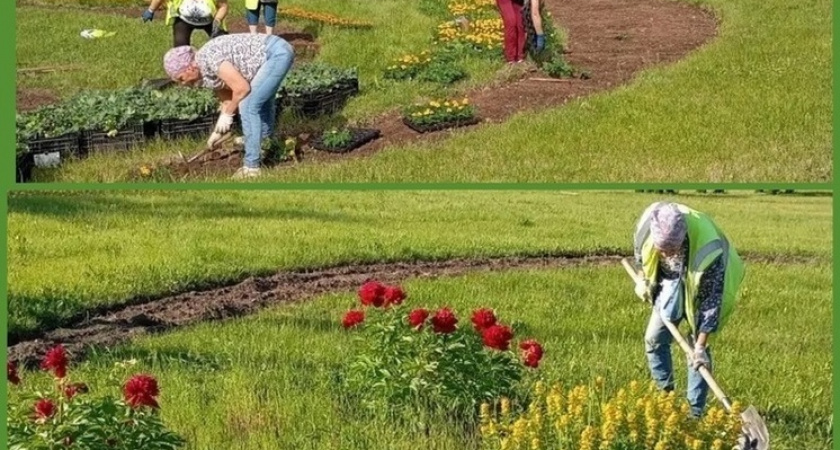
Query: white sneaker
[246, 172]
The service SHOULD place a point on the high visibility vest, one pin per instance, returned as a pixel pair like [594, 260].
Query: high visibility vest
[172, 11]
[705, 243]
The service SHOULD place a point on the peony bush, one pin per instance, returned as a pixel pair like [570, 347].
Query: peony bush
[429, 360]
[584, 418]
[69, 417]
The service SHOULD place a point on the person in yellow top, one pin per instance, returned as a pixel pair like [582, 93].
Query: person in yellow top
[252, 14]
[185, 16]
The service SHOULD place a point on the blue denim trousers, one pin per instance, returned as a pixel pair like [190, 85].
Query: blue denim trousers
[258, 109]
[658, 350]
[269, 12]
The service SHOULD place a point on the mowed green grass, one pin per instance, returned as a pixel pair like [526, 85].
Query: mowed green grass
[72, 251]
[266, 381]
[753, 105]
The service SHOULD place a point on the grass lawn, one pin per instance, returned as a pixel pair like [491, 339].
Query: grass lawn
[751, 106]
[266, 381]
[70, 251]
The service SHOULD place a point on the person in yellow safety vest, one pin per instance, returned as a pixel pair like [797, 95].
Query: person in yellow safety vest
[682, 252]
[252, 14]
[185, 16]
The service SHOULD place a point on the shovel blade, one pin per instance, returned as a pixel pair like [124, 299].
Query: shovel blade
[755, 429]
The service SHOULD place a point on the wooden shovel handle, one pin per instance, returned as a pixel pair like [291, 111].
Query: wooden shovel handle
[704, 372]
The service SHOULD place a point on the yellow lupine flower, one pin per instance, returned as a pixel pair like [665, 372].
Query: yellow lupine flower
[588, 438]
[505, 407]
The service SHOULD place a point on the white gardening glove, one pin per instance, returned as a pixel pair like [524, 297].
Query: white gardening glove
[642, 290]
[699, 357]
[224, 123]
[214, 139]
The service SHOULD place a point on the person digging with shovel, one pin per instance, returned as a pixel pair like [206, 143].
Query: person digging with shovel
[246, 71]
[692, 273]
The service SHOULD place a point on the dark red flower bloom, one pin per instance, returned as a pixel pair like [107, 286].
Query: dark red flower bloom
[72, 390]
[444, 321]
[12, 373]
[372, 293]
[141, 390]
[353, 318]
[483, 318]
[394, 295]
[56, 360]
[417, 317]
[44, 408]
[532, 352]
[497, 336]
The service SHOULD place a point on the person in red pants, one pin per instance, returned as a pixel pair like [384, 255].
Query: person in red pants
[514, 26]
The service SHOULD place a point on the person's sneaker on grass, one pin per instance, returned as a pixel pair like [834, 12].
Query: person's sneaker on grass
[246, 172]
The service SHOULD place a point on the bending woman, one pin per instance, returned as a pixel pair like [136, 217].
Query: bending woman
[246, 71]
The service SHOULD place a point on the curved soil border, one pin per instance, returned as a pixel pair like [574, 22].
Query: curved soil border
[612, 40]
[110, 327]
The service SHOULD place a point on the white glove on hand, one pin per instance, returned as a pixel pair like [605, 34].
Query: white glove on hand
[699, 358]
[224, 123]
[214, 139]
[642, 290]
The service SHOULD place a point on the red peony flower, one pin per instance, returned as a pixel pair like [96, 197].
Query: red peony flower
[44, 409]
[11, 372]
[56, 360]
[417, 317]
[483, 318]
[532, 352]
[353, 318]
[444, 321]
[372, 293]
[394, 295]
[141, 390]
[72, 390]
[497, 336]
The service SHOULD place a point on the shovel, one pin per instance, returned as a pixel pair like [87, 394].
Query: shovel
[754, 428]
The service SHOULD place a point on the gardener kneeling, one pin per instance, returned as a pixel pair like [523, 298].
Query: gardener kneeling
[691, 272]
[246, 71]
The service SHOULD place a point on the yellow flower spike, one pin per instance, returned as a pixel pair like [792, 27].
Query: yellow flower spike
[535, 444]
[505, 407]
[588, 438]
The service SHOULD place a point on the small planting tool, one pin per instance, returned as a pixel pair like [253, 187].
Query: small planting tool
[224, 138]
[754, 430]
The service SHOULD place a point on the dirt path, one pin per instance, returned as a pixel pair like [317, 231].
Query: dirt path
[110, 327]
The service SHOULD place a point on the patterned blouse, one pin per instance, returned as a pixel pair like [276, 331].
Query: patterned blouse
[247, 52]
[710, 292]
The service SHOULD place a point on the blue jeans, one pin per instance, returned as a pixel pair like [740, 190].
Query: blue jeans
[269, 11]
[658, 349]
[258, 109]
